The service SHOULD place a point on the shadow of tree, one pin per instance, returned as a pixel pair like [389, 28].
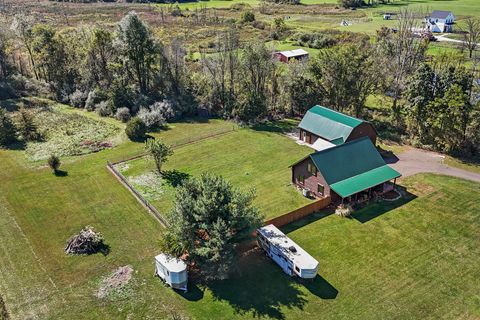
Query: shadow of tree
[376, 209]
[277, 126]
[60, 173]
[261, 288]
[175, 177]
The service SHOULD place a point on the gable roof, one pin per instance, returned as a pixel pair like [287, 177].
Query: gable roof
[438, 14]
[353, 167]
[294, 53]
[329, 124]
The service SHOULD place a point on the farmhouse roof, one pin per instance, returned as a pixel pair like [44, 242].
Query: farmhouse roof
[353, 167]
[438, 14]
[329, 124]
[294, 53]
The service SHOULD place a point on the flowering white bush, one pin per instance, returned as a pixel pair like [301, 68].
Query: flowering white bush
[157, 114]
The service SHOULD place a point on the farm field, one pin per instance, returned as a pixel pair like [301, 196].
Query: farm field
[249, 158]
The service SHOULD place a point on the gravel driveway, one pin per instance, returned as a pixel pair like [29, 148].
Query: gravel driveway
[415, 161]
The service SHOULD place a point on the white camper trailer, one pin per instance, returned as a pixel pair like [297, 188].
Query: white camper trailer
[287, 254]
[171, 270]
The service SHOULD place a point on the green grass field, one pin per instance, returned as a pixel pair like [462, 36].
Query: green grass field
[415, 258]
[249, 158]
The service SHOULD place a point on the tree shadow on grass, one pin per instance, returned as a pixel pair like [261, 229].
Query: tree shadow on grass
[18, 145]
[275, 126]
[175, 177]
[374, 210]
[261, 288]
[60, 173]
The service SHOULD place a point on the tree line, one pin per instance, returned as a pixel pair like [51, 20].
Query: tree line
[128, 73]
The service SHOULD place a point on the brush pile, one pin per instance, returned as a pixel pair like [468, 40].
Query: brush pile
[86, 242]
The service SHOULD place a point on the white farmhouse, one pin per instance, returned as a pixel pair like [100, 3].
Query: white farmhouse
[440, 21]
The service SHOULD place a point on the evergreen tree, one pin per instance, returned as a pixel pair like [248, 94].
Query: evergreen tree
[138, 49]
[7, 129]
[210, 218]
[26, 125]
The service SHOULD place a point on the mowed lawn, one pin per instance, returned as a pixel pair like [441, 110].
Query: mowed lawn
[248, 158]
[415, 258]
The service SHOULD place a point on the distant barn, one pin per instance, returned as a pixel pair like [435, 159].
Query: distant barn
[287, 56]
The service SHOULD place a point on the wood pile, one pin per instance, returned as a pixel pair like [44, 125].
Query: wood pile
[86, 242]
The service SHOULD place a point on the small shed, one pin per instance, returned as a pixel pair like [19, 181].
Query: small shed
[287, 56]
[171, 270]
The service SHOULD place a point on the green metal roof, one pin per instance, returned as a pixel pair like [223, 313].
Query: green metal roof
[364, 181]
[329, 124]
[353, 166]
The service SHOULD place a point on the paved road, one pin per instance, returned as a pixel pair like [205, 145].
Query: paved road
[415, 161]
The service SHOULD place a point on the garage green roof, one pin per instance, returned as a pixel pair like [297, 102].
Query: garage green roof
[329, 124]
[352, 167]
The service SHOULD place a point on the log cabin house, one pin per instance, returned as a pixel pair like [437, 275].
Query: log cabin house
[324, 128]
[351, 171]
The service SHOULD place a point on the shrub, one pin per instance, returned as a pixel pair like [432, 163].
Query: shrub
[103, 109]
[54, 163]
[136, 129]
[156, 115]
[7, 129]
[94, 97]
[78, 98]
[344, 210]
[123, 114]
[247, 16]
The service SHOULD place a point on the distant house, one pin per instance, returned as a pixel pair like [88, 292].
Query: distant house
[440, 21]
[351, 171]
[286, 56]
[387, 16]
[324, 128]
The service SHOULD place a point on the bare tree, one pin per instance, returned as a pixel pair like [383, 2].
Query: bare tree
[22, 26]
[400, 53]
[471, 35]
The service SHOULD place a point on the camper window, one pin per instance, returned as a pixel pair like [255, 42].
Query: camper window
[297, 269]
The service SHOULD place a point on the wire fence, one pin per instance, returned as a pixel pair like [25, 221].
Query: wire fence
[181, 143]
[155, 213]
[137, 195]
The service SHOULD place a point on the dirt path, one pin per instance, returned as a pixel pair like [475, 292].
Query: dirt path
[415, 161]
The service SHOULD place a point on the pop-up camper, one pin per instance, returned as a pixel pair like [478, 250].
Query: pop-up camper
[171, 270]
[287, 254]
